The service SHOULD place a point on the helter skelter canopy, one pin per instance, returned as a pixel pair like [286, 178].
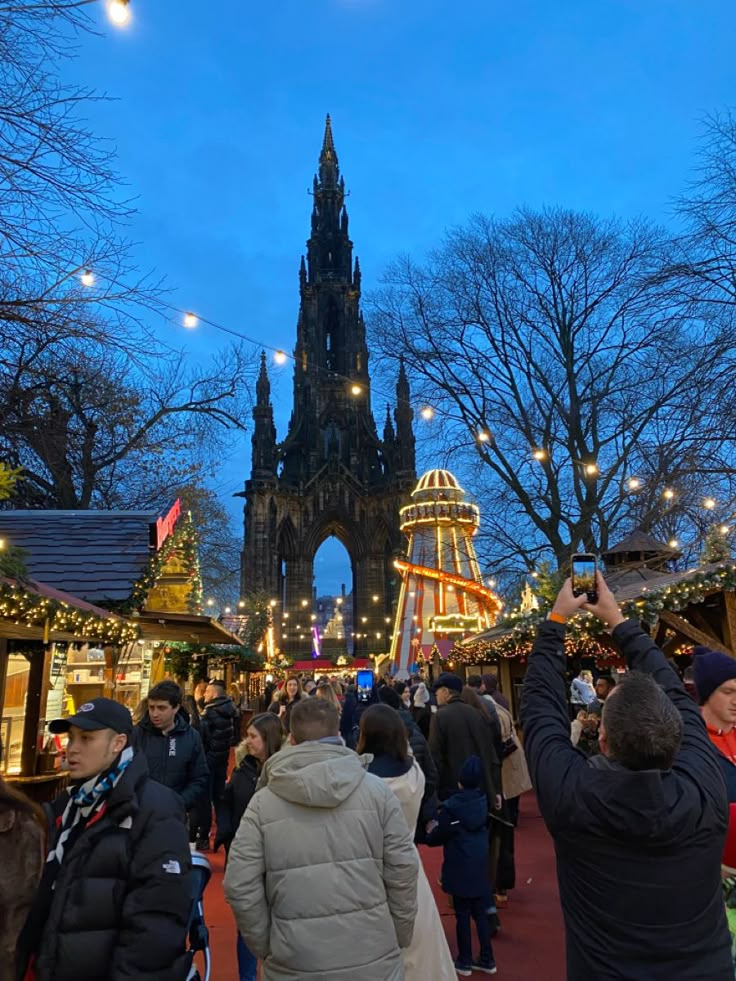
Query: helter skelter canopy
[442, 594]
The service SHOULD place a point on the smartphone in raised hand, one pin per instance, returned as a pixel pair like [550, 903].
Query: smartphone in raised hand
[583, 569]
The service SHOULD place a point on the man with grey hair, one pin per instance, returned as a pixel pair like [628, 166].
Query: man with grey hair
[322, 872]
[639, 830]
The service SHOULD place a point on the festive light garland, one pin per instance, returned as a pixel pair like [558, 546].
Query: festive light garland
[28, 609]
[584, 630]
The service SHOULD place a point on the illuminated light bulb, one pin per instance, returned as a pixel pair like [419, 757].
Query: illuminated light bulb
[375, 597]
[427, 413]
[673, 543]
[492, 583]
[119, 12]
[190, 320]
[88, 278]
[286, 616]
[668, 494]
[2, 543]
[227, 609]
[241, 603]
[273, 603]
[724, 529]
[305, 602]
[280, 357]
[210, 602]
[484, 436]
[540, 455]
[709, 503]
[356, 389]
[634, 483]
[388, 619]
[364, 619]
[591, 469]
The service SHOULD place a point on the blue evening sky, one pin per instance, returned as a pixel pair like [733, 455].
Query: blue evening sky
[439, 110]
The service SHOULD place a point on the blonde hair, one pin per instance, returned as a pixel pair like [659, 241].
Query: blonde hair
[327, 692]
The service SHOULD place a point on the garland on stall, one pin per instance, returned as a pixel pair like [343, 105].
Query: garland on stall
[183, 540]
[28, 609]
[585, 632]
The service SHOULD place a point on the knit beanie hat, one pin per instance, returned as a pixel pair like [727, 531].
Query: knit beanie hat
[470, 773]
[710, 670]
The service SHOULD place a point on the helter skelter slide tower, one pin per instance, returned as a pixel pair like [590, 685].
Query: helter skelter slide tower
[442, 595]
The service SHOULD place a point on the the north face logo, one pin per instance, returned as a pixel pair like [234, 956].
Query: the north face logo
[172, 866]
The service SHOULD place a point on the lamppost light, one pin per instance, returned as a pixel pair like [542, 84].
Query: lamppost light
[427, 413]
[280, 357]
[119, 12]
[87, 278]
[190, 320]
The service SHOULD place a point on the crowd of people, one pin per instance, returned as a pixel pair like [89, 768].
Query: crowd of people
[333, 789]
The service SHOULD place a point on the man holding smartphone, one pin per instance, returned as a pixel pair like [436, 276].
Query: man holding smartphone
[639, 830]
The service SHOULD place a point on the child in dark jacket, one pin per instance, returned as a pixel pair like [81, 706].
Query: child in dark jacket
[462, 827]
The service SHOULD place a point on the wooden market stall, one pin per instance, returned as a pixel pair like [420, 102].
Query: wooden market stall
[38, 626]
[681, 609]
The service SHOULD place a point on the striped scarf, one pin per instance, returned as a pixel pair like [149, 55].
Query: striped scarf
[87, 803]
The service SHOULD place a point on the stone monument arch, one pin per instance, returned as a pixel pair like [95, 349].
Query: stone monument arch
[331, 474]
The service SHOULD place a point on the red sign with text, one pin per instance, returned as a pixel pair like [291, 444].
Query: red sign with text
[166, 524]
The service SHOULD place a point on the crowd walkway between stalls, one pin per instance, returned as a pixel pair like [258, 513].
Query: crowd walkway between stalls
[530, 944]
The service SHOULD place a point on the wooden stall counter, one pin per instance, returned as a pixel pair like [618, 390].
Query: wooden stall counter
[43, 788]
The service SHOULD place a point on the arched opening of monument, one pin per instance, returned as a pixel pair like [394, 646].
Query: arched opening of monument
[333, 598]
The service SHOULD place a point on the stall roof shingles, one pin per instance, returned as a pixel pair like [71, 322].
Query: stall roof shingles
[98, 555]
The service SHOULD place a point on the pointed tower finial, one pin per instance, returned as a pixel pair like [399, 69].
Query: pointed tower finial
[329, 171]
[328, 143]
[263, 386]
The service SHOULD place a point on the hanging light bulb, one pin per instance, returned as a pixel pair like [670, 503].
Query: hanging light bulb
[280, 357]
[227, 609]
[673, 543]
[210, 602]
[356, 389]
[119, 12]
[591, 469]
[87, 278]
[668, 494]
[427, 413]
[709, 503]
[724, 529]
[540, 454]
[484, 436]
[190, 320]
[634, 484]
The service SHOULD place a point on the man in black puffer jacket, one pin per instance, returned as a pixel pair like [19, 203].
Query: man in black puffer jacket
[217, 727]
[173, 749]
[116, 892]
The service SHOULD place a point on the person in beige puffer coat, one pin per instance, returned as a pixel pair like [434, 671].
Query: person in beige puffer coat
[322, 873]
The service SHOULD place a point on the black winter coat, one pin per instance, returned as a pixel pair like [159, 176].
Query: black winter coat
[239, 789]
[422, 755]
[217, 728]
[459, 731]
[177, 759]
[462, 827]
[638, 852]
[123, 895]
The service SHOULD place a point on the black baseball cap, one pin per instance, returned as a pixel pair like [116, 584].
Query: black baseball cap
[99, 713]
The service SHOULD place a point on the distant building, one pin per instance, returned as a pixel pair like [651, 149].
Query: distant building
[332, 475]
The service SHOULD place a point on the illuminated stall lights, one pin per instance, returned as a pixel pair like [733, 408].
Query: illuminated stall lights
[585, 631]
[26, 608]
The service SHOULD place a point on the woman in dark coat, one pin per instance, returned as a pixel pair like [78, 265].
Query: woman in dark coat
[263, 738]
[289, 696]
[22, 853]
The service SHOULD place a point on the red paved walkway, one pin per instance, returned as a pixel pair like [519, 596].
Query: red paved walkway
[529, 946]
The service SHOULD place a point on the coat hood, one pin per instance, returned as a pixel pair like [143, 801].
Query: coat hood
[313, 774]
[470, 808]
[648, 805]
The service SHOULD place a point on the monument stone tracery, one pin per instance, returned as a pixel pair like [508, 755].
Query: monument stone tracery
[331, 474]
